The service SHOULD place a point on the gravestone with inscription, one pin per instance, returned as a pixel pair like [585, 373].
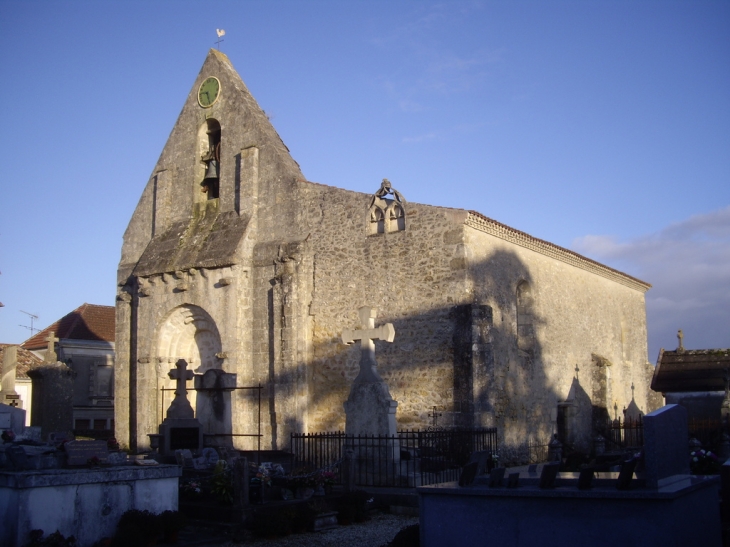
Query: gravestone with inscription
[180, 430]
[85, 452]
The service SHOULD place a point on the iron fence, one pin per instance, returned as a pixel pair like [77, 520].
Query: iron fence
[410, 458]
[625, 434]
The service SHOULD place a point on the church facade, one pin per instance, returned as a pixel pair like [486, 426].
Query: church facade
[236, 263]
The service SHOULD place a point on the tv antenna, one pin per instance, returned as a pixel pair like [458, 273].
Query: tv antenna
[32, 329]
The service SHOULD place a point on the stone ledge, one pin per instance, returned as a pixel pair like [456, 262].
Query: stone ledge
[62, 477]
[674, 490]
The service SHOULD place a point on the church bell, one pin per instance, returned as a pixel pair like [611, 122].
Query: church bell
[212, 171]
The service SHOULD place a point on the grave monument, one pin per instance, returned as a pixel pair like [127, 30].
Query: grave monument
[53, 381]
[369, 410]
[180, 430]
[664, 506]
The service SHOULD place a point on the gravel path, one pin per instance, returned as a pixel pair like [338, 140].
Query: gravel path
[376, 532]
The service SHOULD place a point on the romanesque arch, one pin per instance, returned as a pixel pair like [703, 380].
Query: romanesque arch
[189, 332]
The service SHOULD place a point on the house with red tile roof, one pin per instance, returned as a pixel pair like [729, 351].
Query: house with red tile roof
[86, 345]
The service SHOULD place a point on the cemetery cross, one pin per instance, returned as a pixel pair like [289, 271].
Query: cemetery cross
[51, 356]
[180, 407]
[367, 336]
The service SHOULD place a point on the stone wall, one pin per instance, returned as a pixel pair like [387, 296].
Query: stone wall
[409, 276]
[578, 319]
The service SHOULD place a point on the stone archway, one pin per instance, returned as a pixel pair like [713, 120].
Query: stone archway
[188, 332]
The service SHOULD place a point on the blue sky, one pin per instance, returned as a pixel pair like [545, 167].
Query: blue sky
[603, 127]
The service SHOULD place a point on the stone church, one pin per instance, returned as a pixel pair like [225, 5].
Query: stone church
[238, 264]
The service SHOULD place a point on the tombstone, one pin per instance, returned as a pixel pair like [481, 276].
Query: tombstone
[626, 474]
[7, 385]
[468, 474]
[117, 458]
[548, 475]
[495, 477]
[585, 479]
[369, 410]
[24, 457]
[53, 385]
[665, 444]
[207, 460]
[12, 418]
[30, 433]
[180, 429]
[481, 458]
[184, 458]
[81, 452]
[213, 404]
[513, 480]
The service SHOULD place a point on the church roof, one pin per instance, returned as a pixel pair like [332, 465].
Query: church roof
[87, 322]
[691, 370]
[485, 224]
[26, 360]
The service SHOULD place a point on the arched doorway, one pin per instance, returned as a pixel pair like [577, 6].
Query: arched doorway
[189, 332]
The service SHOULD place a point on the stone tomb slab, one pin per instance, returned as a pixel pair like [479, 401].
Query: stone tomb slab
[85, 503]
[683, 513]
[80, 452]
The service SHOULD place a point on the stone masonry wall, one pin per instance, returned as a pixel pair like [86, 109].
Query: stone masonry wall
[414, 278]
[578, 319]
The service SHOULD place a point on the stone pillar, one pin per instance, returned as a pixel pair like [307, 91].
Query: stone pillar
[10, 397]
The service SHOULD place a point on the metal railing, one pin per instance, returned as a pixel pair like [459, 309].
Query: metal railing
[408, 459]
[625, 434]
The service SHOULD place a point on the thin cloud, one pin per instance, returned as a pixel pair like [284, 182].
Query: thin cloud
[420, 138]
[431, 68]
[688, 264]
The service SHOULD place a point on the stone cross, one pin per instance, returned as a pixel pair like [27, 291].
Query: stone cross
[435, 415]
[51, 356]
[180, 407]
[680, 337]
[367, 336]
[577, 370]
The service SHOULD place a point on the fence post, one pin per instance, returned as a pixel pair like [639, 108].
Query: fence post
[348, 469]
[240, 486]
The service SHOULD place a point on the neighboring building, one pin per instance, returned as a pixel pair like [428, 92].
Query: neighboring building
[86, 345]
[233, 261]
[695, 378]
[23, 385]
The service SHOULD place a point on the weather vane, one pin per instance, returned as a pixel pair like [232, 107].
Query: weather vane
[220, 33]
